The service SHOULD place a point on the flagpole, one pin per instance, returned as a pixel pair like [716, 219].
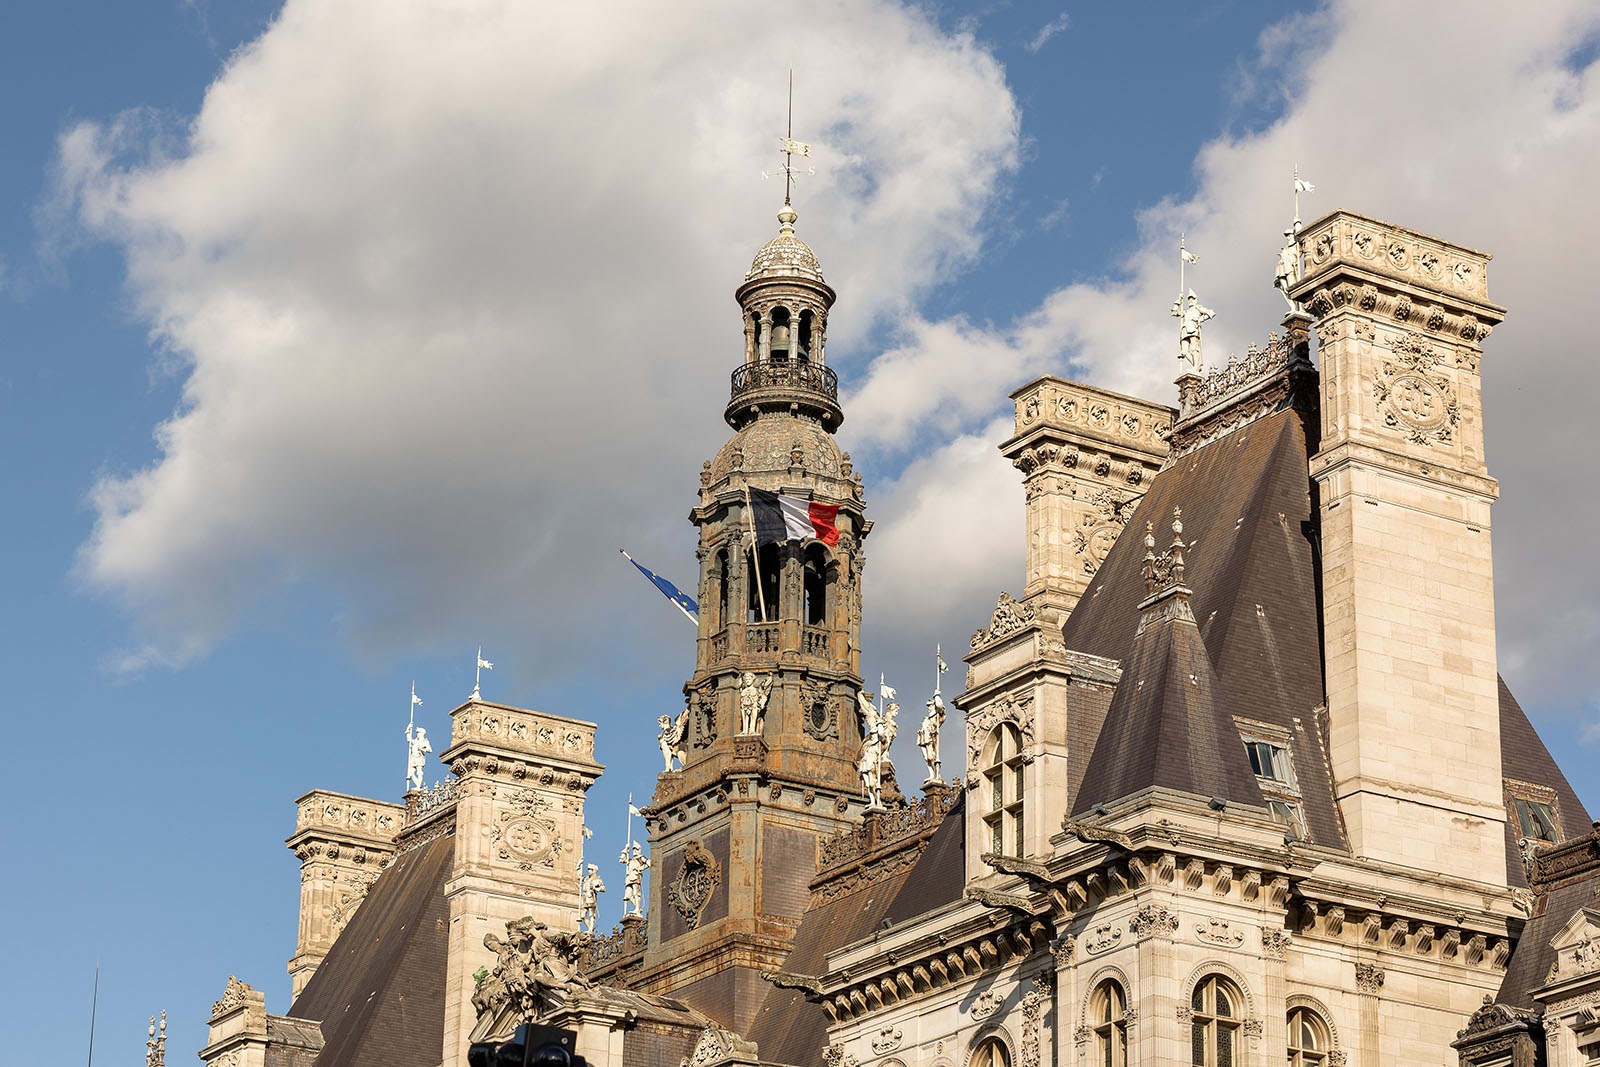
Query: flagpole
[1297, 196]
[675, 604]
[94, 1004]
[1182, 260]
[755, 551]
[627, 841]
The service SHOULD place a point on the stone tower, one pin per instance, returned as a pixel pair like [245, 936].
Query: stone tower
[734, 832]
[1408, 590]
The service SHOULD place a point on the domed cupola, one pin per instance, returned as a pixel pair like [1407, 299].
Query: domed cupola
[785, 304]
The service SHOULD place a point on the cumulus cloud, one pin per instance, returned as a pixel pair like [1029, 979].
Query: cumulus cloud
[452, 309]
[1449, 119]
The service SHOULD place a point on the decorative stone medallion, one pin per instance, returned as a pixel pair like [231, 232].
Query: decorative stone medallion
[697, 879]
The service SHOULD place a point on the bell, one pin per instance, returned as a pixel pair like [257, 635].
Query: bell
[780, 339]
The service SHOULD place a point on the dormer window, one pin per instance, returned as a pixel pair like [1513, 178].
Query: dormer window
[1533, 811]
[1267, 747]
[1271, 762]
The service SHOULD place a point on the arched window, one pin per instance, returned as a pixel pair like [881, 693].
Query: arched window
[818, 573]
[782, 335]
[803, 341]
[1215, 1022]
[1308, 1039]
[991, 1052]
[1002, 772]
[769, 571]
[720, 575]
[1109, 1012]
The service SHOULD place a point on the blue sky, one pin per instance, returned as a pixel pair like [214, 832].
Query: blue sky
[336, 343]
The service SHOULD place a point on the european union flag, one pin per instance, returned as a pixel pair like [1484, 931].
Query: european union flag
[684, 601]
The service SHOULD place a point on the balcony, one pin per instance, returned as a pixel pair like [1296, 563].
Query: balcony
[783, 383]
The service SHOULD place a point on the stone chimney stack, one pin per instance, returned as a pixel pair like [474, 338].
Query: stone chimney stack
[1408, 590]
[342, 842]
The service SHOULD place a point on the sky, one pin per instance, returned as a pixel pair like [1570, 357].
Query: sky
[338, 340]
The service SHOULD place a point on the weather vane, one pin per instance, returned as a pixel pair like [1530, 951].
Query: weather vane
[791, 148]
[483, 665]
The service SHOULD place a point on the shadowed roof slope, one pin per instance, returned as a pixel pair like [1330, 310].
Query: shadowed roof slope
[379, 994]
[1524, 757]
[1166, 727]
[1248, 515]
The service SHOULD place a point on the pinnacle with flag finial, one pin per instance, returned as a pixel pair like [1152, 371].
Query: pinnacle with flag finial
[477, 679]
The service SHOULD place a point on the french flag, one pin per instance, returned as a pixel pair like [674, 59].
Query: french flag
[789, 518]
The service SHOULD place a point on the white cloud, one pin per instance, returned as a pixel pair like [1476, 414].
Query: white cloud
[1047, 31]
[453, 308]
[1447, 118]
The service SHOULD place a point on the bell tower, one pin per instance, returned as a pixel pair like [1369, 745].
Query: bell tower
[772, 733]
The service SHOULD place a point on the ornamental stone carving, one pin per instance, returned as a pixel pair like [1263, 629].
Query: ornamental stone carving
[1009, 617]
[1012, 708]
[697, 879]
[1369, 978]
[1274, 943]
[1412, 400]
[986, 1004]
[1033, 1004]
[234, 994]
[1218, 932]
[821, 720]
[1103, 938]
[523, 835]
[836, 1056]
[717, 1045]
[535, 969]
[887, 1040]
[1153, 920]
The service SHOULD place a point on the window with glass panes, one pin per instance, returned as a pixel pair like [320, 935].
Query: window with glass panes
[1109, 1011]
[992, 1052]
[1308, 1039]
[1214, 1024]
[1003, 769]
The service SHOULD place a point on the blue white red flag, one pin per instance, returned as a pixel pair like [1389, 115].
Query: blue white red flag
[778, 517]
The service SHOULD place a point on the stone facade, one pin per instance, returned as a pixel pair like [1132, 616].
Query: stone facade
[1407, 574]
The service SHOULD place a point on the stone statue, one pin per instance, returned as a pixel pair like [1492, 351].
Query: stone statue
[870, 767]
[633, 883]
[1288, 267]
[753, 696]
[1190, 314]
[673, 732]
[866, 713]
[535, 969]
[417, 756]
[589, 889]
[928, 735]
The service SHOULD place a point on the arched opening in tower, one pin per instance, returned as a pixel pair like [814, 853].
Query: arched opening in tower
[770, 569]
[819, 577]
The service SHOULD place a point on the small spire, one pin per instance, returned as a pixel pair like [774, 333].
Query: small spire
[1176, 552]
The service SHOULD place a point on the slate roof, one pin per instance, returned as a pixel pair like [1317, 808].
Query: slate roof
[1524, 757]
[1249, 522]
[379, 994]
[790, 1029]
[1166, 726]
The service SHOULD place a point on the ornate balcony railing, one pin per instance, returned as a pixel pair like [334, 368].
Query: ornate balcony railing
[786, 374]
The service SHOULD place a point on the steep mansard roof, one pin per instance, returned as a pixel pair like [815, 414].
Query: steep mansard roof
[1167, 726]
[1249, 525]
[790, 1029]
[379, 994]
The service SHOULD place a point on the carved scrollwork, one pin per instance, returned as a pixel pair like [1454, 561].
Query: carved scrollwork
[1154, 920]
[1413, 400]
[1009, 617]
[1012, 708]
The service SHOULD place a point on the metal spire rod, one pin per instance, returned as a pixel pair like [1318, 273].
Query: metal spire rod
[789, 133]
